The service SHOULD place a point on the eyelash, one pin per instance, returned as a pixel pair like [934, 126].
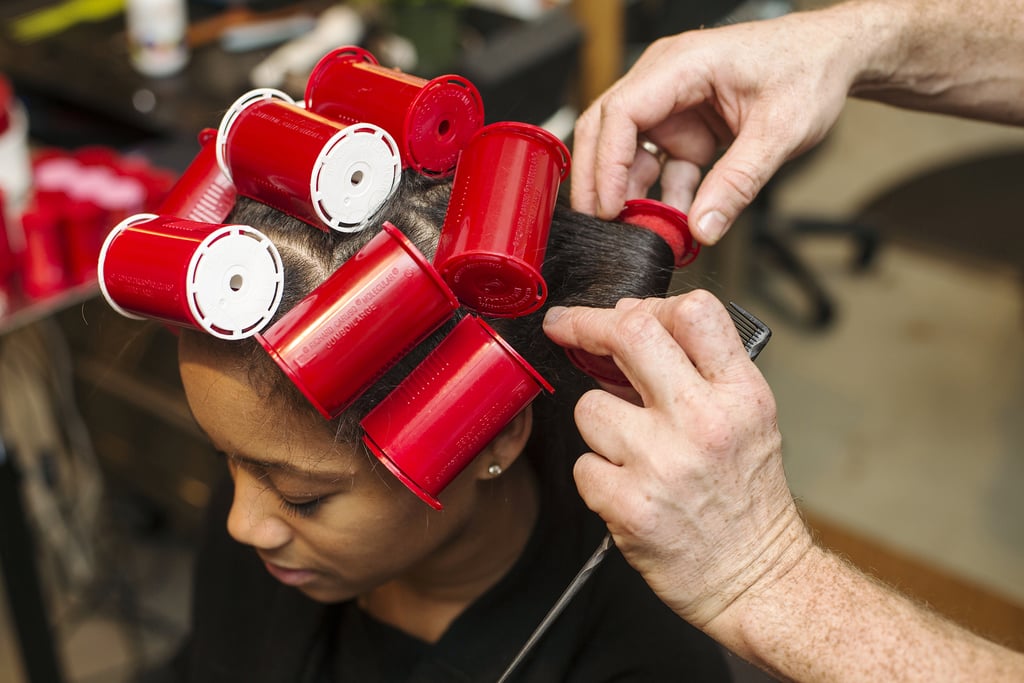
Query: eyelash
[307, 509]
[304, 510]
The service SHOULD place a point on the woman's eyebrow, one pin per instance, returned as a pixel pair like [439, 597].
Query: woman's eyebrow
[325, 476]
[288, 469]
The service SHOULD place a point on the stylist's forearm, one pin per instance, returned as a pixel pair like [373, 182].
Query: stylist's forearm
[825, 621]
[963, 57]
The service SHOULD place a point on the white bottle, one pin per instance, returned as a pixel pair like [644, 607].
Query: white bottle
[157, 42]
[15, 163]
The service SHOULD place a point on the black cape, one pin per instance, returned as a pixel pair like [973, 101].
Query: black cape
[249, 628]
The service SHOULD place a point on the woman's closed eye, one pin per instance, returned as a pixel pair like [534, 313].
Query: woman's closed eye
[305, 508]
[285, 484]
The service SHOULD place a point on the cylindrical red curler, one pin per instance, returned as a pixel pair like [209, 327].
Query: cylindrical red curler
[224, 279]
[6, 251]
[359, 322]
[430, 120]
[96, 155]
[202, 193]
[156, 182]
[83, 221]
[326, 173]
[6, 103]
[43, 269]
[666, 221]
[496, 229]
[601, 368]
[450, 407]
[7, 255]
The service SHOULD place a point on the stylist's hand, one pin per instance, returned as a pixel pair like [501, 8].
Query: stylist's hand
[768, 90]
[691, 482]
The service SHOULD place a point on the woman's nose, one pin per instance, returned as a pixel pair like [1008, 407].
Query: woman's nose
[254, 518]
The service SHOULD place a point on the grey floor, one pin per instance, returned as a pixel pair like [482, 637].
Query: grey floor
[901, 422]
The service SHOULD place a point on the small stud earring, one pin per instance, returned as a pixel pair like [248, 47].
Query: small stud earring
[494, 470]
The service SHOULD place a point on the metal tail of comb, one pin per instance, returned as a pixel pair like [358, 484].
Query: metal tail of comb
[754, 333]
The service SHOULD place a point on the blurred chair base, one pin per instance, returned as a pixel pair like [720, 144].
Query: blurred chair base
[783, 279]
[966, 211]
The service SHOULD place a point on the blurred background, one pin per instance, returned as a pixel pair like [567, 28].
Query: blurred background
[888, 263]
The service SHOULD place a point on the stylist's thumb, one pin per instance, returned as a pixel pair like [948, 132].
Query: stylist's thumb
[732, 184]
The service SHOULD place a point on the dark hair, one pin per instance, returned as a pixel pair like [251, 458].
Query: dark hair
[588, 262]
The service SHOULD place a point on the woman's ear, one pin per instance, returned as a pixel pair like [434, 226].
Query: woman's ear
[506, 447]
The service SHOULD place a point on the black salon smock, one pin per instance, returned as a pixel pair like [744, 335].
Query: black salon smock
[249, 628]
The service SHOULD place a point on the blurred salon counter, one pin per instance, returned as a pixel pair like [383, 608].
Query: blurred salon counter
[80, 87]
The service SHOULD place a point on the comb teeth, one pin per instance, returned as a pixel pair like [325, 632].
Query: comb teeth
[754, 333]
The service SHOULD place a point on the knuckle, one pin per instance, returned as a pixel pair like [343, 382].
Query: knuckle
[687, 173]
[714, 432]
[697, 307]
[582, 323]
[587, 406]
[719, 434]
[641, 520]
[584, 124]
[700, 300]
[612, 104]
[661, 46]
[743, 178]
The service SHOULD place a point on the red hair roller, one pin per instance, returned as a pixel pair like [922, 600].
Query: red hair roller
[666, 221]
[672, 226]
[328, 174]
[361, 320]
[496, 229]
[202, 193]
[450, 407]
[431, 120]
[224, 279]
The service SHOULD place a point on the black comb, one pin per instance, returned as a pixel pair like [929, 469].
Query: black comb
[754, 333]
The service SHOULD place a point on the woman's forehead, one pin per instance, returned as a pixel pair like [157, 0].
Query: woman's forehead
[243, 421]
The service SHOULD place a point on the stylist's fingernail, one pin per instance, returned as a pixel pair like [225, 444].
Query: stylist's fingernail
[601, 211]
[711, 226]
[627, 303]
[553, 314]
